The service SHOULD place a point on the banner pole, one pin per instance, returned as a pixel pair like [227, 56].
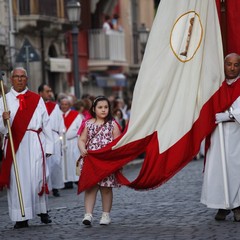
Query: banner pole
[224, 166]
[64, 149]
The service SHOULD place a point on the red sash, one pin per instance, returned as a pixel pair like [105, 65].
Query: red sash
[68, 120]
[50, 106]
[18, 128]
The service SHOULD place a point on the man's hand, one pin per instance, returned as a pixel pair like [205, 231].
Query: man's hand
[5, 116]
[222, 117]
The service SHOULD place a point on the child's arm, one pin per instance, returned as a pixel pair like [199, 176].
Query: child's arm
[116, 130]
[82, 142]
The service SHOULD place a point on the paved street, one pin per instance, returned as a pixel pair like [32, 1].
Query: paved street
[172, 211]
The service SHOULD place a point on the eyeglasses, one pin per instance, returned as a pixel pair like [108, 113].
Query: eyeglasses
[15, 77]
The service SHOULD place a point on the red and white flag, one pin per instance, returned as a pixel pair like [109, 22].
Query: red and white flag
[179, 89]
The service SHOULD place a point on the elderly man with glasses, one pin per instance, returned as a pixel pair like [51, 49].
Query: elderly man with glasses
[32, 140]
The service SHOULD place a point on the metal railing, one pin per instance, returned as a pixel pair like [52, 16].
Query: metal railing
[106, 46]
[42, 7]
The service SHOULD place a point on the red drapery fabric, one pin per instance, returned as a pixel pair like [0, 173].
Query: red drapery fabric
[157, 168]
[229, 16]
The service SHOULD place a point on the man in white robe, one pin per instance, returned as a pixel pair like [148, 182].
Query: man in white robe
[29, 118]
[72, 121]
[213, 194]
[54, 162]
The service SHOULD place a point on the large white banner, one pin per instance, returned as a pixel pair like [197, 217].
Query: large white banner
[179, 90]
[181, 69]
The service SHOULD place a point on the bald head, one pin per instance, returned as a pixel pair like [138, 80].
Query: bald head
[232, 66]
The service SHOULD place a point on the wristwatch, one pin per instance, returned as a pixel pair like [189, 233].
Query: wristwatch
[230, 114]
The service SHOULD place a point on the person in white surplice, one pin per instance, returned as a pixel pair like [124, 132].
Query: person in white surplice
[213, 194]
[72, 121]
[54, 162]
[33, 143]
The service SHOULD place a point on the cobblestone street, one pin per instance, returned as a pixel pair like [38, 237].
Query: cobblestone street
[172, 211]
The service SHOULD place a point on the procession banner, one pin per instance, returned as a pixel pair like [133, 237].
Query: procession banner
[179, 90]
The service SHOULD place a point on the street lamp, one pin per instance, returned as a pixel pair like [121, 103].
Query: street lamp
[143, 37]
[74, 12]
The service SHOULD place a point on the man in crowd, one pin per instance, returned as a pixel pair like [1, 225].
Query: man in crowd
[213, 194]
[72, 121]
[32, 138]
[57, 125]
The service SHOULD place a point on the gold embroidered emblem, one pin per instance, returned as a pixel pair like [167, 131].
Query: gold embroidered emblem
[186, 36]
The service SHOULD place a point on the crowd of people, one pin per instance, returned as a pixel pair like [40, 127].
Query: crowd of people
[49, 136]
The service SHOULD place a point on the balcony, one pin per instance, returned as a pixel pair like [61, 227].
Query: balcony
[106, 49]
[39, 14]
[42, 7]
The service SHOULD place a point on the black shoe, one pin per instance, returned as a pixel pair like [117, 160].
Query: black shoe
[45, 218]
[68, 185]
[55, 193]
[236, 212]
[21, 224]
[221, 214]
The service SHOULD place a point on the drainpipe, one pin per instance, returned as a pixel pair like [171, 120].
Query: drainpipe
[42, 56]
[11, 35]
[135, 30]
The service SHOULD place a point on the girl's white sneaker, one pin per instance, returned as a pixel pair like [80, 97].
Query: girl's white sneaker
[87, 220]
[105, 219]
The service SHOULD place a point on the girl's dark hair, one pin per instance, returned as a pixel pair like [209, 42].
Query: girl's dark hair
[94, 104]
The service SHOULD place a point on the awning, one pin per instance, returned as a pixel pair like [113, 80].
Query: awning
[60, 65]
[112, 80]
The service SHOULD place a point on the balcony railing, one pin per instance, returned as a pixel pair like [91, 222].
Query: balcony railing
[41, 7]
[106, 46]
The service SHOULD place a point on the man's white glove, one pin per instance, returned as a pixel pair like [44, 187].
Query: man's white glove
[222, 117]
